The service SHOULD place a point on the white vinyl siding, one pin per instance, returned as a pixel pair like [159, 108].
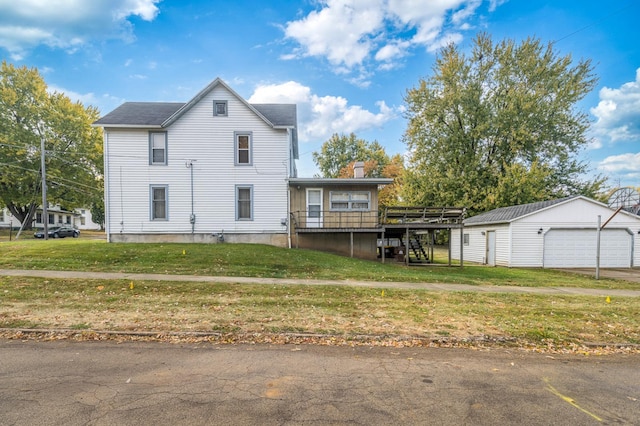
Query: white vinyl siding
[558, 236]
[210, 143]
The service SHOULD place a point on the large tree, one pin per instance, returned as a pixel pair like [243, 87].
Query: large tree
[73, 148]
[341, 150]
[498, 126]
[339, 154]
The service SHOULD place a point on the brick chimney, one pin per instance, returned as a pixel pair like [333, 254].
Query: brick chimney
[358, 169]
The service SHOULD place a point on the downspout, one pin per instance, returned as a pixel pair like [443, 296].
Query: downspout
[192, 218]
[288, 215]
[289, 173]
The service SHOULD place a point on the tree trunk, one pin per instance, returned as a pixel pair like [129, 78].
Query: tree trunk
[24, 214]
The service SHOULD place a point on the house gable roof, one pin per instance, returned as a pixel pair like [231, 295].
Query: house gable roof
[511, 213]
[163, 114]
[139, 114]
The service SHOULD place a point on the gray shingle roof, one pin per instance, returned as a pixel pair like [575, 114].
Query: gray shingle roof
[278, 114]
[507, 214]
[140, 114]
[163, 114]
[156, 113]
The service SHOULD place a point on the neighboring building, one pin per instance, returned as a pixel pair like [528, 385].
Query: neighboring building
[84, 220]
[212, 169]
[7, 219]
[558, 233]
[55, 216]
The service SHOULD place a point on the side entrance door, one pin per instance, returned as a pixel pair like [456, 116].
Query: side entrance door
[314, 208]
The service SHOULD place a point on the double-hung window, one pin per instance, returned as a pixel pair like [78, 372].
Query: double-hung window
[243, 147]
[244, 202]
[158, 195]
[158, 148]
[350, 200]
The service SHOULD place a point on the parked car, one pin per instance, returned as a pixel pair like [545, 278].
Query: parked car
[59, 232]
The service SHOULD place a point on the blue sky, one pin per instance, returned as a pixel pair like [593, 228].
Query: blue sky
[346, 63]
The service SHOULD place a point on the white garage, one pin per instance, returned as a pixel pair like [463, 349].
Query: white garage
[577, 248]
[558, 233]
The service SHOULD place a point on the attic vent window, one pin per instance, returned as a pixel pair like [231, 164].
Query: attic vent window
[220, 108]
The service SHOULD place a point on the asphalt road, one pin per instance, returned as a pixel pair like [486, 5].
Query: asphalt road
[106, 383]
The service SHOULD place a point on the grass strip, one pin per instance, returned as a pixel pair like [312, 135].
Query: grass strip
[327, 310]
[250, 260]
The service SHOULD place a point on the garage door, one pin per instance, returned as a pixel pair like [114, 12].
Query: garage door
[576, 248]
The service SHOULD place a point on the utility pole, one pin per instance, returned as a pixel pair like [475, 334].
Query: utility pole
[45, 215]
[598, 231]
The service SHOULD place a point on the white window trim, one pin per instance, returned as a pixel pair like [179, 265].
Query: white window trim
[250, 188]
[350, 202]
[158, 163]
[236, 135]
[166, 203]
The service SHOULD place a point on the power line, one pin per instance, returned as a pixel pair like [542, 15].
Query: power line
[604, 18]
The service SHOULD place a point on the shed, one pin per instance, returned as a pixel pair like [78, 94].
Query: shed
[559, 233]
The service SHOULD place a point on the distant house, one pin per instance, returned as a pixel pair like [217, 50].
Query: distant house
[78, 218]
[557, 233]
[84, 220]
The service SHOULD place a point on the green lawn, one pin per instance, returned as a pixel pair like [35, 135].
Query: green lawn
[540, 322]
[265, 261]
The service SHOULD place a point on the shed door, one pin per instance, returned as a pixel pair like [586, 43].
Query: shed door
[576, 248]
[491, 248]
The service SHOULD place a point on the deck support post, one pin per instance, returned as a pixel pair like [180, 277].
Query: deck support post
[406, 249]
[351, 242]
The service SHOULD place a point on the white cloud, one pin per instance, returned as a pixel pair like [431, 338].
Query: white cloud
[394, 50]
[321, 116]
[104, 103]
[445, 40]
[622, 169]
[341, 31]
[623, 163]
[350, 33]
[618, 114]
[67, 24]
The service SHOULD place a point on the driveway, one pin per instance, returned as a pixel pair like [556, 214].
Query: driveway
[106, 383]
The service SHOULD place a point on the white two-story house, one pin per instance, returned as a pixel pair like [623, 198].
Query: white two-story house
[213, 169]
